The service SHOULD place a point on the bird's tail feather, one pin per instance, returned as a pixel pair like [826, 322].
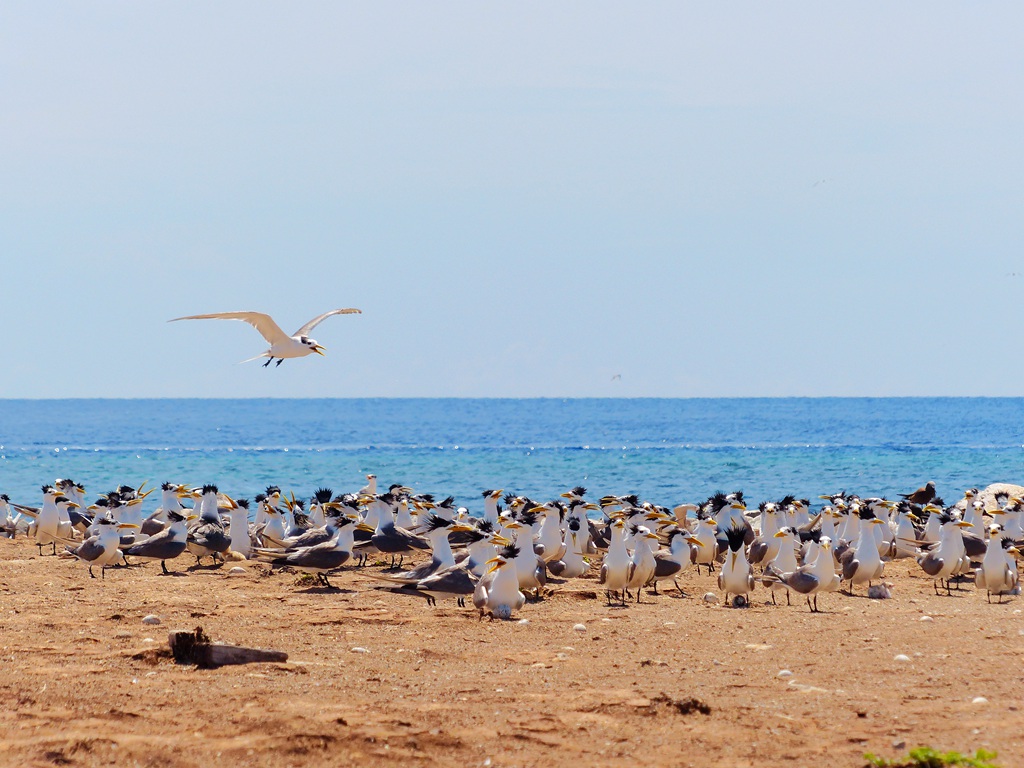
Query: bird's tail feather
[258, 357]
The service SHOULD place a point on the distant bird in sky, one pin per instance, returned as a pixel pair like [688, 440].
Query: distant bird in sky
[282, 345]
[617, 377]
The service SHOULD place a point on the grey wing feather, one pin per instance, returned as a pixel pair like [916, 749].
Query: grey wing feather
[665, 566]
[319, 319]
[163, 546]
[456, 581]
[849, 568]
[88, 550]
[931, 564]
[800, 581]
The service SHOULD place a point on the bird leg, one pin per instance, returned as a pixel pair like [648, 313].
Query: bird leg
[163, 564]
[787, 598]
[54, 545]
[91, 574]
[269, 361]
[773, 597]
[681, 593]
[279, 361]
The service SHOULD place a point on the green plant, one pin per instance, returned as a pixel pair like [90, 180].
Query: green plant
[926, 757]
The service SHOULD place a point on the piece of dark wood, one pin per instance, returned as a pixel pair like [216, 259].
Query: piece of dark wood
[195, 647]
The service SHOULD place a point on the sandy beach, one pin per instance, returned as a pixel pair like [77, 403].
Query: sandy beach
[383, 679]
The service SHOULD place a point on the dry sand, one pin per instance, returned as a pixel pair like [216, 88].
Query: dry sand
[85, 682]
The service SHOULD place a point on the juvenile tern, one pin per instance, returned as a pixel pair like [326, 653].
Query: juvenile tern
[282, 346]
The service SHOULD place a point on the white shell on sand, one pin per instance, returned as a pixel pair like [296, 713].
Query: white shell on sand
[711, 597]
[926, 618]
[237, 571]
[358, 649]
[784, 673]
[151, 619]
[580, 627]
[901, 657]
[979, 700]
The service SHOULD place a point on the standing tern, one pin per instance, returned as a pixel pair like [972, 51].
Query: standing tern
[282, 346]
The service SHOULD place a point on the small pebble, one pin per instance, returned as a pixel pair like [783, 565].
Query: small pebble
[359, 649]
[580, 627]
[899, 744]
[151, 619]
[237, 571]
[523, 621]
[979, 700]
[784, 673]
[901, 657]
[711, 597]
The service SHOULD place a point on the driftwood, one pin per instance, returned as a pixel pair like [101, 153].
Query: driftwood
[195, 647]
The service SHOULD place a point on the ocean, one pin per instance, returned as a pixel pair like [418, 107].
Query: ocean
[666, 450]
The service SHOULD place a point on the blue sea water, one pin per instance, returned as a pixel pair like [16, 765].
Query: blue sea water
[666, 450]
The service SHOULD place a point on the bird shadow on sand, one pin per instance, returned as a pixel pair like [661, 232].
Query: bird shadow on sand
[322, 590]
[199, 568]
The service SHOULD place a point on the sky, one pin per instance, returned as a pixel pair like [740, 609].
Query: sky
[571, 199]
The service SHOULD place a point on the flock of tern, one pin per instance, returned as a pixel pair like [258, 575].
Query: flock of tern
[509, 551]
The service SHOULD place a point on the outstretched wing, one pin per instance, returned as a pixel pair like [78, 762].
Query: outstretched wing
[263, 323]
[317, 320]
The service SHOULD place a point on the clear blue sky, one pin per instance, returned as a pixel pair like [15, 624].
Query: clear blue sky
[528, 199]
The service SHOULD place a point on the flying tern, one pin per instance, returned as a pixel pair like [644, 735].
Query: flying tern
[282, 346]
